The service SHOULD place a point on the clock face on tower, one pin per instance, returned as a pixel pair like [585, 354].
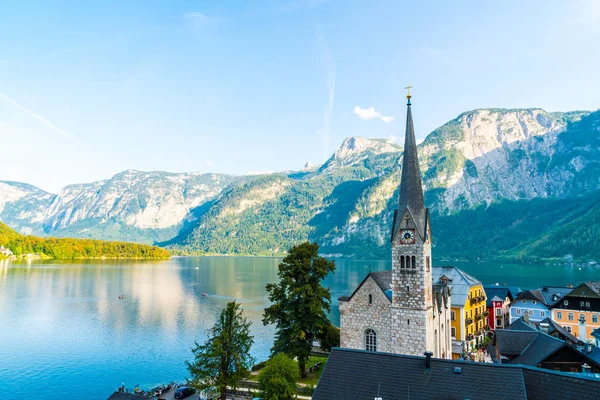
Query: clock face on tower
[407, 236]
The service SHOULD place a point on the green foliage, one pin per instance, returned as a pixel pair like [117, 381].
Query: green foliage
[66, 249]
[279, 379]
[445, 163]
[330, 337]
[224, 360]
[299, 303]
[538, 230]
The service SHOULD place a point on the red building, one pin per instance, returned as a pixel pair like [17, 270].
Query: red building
[498, 302]
[495, 309]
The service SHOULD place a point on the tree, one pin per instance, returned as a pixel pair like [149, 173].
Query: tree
[330, 337]
[299, 303]
[224, 360]
[279, 379]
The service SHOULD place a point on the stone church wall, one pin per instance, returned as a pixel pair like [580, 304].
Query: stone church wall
[357, 315]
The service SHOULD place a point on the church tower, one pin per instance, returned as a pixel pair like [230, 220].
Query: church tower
[412, 302]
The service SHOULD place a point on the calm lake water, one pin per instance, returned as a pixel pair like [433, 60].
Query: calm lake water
[64, 332]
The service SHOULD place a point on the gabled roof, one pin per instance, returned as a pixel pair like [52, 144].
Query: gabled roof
[501, 291]
[549, 292]
[459, 282]
[590, 289]
[539, 349]
[383, 280]
[522, 325]
[511, 342]
[362, 375]
[596, 333]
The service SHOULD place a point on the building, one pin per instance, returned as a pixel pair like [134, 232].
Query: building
[498, 303]
[547, 326]
[579, 310]
[530, 346]
[596, 336]
[361, 375]
[537, 303]
[402, 311]
[468, 316]
[5, 252]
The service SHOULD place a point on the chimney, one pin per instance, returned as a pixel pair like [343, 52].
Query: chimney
[586, 369]
[589, 347]
[428, 356]
[544, 327]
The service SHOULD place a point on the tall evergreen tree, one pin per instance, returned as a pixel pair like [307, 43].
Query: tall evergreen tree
[224, 360]
[299, 303]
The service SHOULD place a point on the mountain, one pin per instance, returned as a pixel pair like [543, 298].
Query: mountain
[68, 249]
[525, 173]
[132, 206]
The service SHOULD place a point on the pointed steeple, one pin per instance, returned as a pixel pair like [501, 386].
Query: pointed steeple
[411, 188]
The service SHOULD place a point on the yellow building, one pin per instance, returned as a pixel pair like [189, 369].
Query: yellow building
[468, 316]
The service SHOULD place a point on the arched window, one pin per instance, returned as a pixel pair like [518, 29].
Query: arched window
[414, 262]
[370, 298]
[401, 261]
[370, 340]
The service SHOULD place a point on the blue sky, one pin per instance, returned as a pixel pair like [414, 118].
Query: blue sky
[88, 89]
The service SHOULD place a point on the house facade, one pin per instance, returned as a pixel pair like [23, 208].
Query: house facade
[499, 299]
[536, 303]
[579, 311]
[468, 317]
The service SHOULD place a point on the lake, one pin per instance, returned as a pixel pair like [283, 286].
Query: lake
[65, 333]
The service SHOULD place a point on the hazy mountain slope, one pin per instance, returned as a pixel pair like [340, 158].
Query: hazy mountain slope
[24, 206]
[132, 205]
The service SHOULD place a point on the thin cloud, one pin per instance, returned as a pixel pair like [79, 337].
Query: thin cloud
[209, 163]
[371, 113]
[329, 64]
[41, 119]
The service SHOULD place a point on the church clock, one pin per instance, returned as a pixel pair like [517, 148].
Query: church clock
[407, 236]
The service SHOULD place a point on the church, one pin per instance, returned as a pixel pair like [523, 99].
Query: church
[402, 311]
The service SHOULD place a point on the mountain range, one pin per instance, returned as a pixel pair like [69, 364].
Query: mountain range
[510, 184]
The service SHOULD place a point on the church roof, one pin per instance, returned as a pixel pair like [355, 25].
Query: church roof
[383, 280]
[362, 375]
[411, 187]
[459, 282]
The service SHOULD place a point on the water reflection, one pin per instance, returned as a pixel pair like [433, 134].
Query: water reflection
[65, 330]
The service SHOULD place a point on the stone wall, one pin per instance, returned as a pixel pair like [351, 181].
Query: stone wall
[357, 315]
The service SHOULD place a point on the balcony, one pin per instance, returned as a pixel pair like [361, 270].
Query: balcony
[478, 317]
[468, 321]
[486, 314]
[469, 337]
[473, 300]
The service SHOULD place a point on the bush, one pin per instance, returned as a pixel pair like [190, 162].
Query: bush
[279, 379]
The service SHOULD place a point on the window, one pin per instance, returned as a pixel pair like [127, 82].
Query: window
[568, 328]
[370, 298]
[499, 312]
[558, 315]
[401, 261]
[452, 316]
[414, 262]
[570, 316]
[453, 332]
[595, 318]
[533, 302]
[370, 340]
[407, 289]
[524, 301]
[466, 315]
[428, 263]
[566, 302]
[582, 317]
[582, 303]
[587, 304]
[518, 311]
[542, 313]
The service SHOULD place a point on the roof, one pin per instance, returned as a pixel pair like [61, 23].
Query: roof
[548, 293]
[411, 187]
[362, 375]
[459, 282]
[539, 349]
[513, 342]
[501, 291]
[383, 280]
[596, 333]
[590, 289]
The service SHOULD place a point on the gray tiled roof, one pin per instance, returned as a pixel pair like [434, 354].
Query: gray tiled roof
[513, 342]
[460, 283]
[538, 350]
[360, 375]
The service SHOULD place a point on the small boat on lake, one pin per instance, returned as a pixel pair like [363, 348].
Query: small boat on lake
[204, 294]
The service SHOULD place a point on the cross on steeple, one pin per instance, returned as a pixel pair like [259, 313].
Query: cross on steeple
[408, 95]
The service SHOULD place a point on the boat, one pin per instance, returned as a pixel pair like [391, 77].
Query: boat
[204, 294]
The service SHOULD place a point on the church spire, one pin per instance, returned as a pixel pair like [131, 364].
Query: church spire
[411, 188]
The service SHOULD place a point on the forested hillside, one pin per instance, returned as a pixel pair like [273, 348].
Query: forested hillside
[64, 249]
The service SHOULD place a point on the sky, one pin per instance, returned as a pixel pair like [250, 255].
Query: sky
[89, 89]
